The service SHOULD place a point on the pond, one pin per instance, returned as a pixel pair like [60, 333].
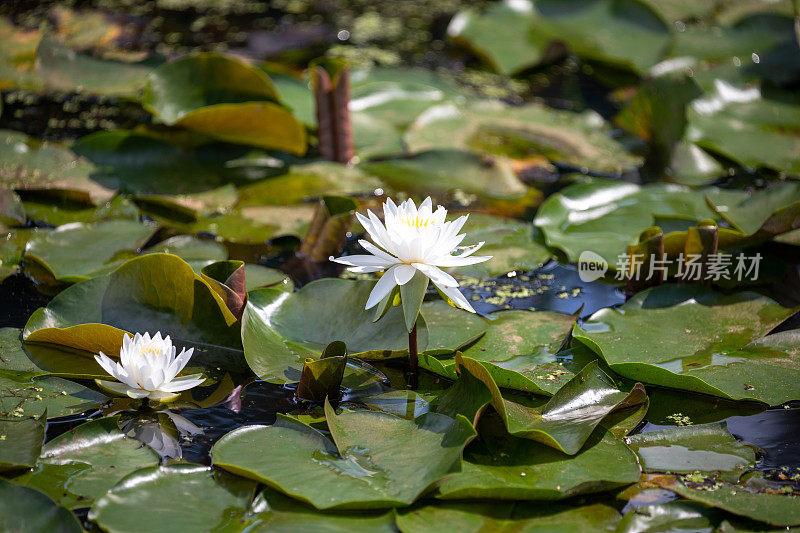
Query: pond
[399, 266]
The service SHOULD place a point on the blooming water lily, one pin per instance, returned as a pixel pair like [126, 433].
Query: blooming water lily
[148, 368]
[413, 240]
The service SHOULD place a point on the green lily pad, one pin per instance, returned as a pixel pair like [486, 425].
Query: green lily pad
[223, 98]
[397, 96]
[746, 128]
[48, 169]
[25, 509]
[375, 460]
[12, 212]
[566, 420]
[12, 247]
[251, 225]
[439, 171]
[190, 206]
[82, 464]
[491, 127]
[272, 511]
[606, 216]
[63, 69]
[449, 329]
[500, 466]
[103, 246]
[18, 57]
[296, 94]
[194, 250]
[508, 516]
[763, 214]
[277, 334]
[20, 443]
[669, 516]
[692, 166]
[25, 397]
[739, 499]
[499, 36]
[510, 243]
[518, 350]
[374, 137]
[154, 292]
[705, 448]
[634, 36]
[14, 362]
[706, 342]
[263, 124]
[201, 80]
[311, 181]
[710, 49]
[145, 500]
[144, 165]
[56, 212]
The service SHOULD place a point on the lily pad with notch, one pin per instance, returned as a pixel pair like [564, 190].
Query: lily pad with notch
[707, 342]
[82, 464]
[578, 140]
[567, 419]
[374, 460]
[278, 335]
[145, 500]
[519, 350]
[103, 246]
[154, 292]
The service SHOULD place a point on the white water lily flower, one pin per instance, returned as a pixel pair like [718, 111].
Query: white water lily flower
[413, 240]
[148, 368]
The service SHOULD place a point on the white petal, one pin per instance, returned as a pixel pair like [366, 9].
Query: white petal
[154, 380]
[107, 364]
[178, 364]
[379, 233]
[366, 270]
[454, 261]
[137, 393]
[114, 386]
[472, 249]
[161, 396]
[427, 205]
[454, 294]
[438, 276]
[182, 383]
[377, 252]
[364, 260]
[389, 207]
[383, 287]
[403, 274]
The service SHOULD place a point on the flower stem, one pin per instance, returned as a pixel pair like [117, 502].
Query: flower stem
[413, 359]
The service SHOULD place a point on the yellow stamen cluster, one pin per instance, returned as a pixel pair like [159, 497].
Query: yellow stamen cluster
[417, 222]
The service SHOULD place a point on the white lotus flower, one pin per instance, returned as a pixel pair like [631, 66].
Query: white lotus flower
[148, 368]
[413, 240]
